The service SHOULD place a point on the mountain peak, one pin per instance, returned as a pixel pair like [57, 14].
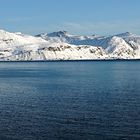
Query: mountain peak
[125, 34]
[62, 32]
[58, 34]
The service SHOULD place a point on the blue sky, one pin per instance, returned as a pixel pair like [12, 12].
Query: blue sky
[76, 16]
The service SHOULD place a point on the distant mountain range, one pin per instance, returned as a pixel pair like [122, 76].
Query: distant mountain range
[63, 46]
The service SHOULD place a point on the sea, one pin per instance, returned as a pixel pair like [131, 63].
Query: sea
[70, 100]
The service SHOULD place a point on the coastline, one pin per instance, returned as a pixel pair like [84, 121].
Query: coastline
[82, 60]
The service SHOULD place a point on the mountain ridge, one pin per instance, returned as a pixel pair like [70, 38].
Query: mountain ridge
[63, 46]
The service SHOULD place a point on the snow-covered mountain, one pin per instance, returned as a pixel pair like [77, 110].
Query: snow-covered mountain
[63, 46]
[121, 46]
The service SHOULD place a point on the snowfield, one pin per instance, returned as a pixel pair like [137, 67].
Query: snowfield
[63, 46]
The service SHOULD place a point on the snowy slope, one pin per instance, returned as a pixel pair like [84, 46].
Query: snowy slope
[117, 47]
[125, 45]
[18, 46]
[63, 46]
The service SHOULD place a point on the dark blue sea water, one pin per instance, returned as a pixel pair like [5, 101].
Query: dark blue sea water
[88, 100]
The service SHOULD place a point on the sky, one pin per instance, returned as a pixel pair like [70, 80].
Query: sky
[102, 17]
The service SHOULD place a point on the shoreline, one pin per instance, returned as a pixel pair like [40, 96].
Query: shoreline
[84, 60]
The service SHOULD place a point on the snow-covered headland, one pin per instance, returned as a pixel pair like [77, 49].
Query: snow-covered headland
[63, 46]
